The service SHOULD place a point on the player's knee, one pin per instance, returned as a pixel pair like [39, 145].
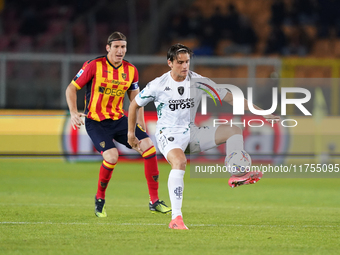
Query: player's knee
[112, 159]
[229, 130]
[235, 130]
[111, 156]
[224, 132]
[146, 144]
[179, 163]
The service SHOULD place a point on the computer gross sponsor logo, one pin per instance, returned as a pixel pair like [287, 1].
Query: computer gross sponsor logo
[181, 104]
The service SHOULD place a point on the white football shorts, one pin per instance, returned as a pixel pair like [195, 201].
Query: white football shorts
[195, 140]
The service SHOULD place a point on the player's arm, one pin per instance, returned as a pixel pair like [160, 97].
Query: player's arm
[140, 113]
[71, 99]
[132, 121]
[143, 98]
[270, 117]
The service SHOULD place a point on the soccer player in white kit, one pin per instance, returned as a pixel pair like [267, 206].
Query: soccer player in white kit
[176, 102]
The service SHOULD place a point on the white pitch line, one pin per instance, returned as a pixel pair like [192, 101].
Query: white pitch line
[68, 205]
[161, 224]
[143, 205]
[77, 223]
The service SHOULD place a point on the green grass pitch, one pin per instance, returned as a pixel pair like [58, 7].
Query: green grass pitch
[47, 207]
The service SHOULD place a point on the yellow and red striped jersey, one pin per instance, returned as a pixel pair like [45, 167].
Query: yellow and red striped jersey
[106, 86]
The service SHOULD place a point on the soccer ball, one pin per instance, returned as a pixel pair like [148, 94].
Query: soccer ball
[238, 162]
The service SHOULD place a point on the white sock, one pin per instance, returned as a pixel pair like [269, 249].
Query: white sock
[235, 142]
[176, 187]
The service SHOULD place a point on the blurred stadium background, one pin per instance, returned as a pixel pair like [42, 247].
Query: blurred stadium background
[262, 43]
[46, 205]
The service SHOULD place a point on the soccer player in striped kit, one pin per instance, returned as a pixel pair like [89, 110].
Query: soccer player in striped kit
[107, 79]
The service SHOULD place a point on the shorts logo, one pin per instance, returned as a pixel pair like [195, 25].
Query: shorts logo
[102, 144]
[140, 127]
[124, 76]
[180, 90]
[171, 139]
[155, 178]
[103, 184]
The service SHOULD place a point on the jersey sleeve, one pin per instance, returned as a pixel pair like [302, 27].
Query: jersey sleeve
[221, 92]
[208, 85]
[147, 95]
[134, 84]
[85, 74]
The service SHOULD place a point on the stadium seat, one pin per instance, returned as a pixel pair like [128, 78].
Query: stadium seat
[302, 71]
[311, 31]
[264, 71]
[4, 42]
[322, 48]
[205, 71]
[192, 43]
[221, 46]
[321, 72]
[151, 72]
[215, 72]
[239, 72]
[337, 48]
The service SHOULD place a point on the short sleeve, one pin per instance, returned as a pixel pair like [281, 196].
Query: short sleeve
[221, 92]
[209, 86]
[147, 95]
[134, 84]
[85, 74]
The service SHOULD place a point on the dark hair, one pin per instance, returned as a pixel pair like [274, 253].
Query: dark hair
[116, 36]
[174, 50]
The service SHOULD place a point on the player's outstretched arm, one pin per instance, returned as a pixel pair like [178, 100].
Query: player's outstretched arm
[71, 99]
[270, 117]
[132, 120]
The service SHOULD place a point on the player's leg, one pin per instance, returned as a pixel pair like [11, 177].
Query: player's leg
[105, 173]
[209, 137]
[151, 172]
[110, 160]
[205, 138]
[232, 135]
[104, 144]
[178, 161]
[172, 146]
[148, 152]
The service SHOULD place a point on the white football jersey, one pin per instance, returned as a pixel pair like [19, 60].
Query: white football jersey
[176, 102]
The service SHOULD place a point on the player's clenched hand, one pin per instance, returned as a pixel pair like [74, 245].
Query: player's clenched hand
[134, 142]
[272, 118]
[76, 120]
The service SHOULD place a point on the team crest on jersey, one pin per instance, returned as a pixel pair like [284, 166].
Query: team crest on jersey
[124, 76]
[180, 90]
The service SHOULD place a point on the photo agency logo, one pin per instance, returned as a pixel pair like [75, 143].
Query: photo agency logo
[238, 104]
